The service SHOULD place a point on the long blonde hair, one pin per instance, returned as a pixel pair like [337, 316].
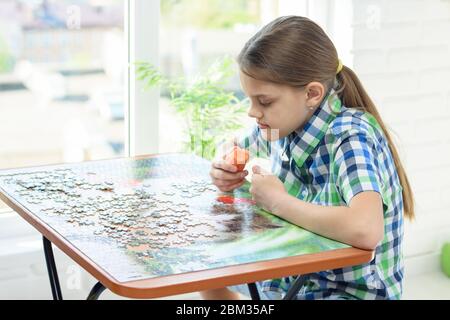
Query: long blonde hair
[295, 51]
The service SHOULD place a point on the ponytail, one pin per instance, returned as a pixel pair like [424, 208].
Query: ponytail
[352, 94]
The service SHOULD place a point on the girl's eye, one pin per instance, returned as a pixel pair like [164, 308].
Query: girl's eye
[265, 104]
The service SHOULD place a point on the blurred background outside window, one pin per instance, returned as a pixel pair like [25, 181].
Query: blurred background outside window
[61, 81]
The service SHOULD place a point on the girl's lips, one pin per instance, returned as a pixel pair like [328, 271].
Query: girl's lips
[263, 126]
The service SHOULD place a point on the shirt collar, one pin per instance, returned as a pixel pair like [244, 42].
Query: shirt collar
[304, 140]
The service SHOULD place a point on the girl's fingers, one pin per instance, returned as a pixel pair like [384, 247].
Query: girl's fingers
[233, 186]
[225, 183]
[223, 165]
[224, 175]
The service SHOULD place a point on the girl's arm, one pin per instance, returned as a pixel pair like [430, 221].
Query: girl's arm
[361, 224]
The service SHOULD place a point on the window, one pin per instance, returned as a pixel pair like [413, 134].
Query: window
[62, 76]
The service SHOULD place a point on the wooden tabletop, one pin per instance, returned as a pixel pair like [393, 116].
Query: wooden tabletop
[153, 226]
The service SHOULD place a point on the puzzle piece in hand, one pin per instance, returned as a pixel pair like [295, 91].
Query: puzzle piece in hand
[238, 157]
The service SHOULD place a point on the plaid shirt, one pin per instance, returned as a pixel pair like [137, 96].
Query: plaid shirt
[339, 153]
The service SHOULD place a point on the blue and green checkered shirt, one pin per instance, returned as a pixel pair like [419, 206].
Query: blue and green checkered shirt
[339, 153]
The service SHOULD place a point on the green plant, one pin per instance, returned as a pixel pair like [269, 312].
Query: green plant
[211, 113]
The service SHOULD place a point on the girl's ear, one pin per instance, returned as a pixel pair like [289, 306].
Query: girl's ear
[315, 92]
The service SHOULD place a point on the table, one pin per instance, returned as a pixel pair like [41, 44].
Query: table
[154, 226]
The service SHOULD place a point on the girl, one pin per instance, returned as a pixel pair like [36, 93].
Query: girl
[336, 170]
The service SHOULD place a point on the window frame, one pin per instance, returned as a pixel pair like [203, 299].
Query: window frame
[141, 107]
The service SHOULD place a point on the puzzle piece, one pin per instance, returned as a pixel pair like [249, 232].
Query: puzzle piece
[238, 157]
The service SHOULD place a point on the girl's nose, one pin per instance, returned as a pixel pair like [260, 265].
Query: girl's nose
[253, 112]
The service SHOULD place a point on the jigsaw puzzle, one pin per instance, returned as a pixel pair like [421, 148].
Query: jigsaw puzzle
[141, 218]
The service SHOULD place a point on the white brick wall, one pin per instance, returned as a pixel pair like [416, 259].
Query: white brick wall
[402, 55]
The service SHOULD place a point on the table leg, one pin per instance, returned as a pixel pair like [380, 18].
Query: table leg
[253, 291]
[96, 291]
[51, 268]
[295, 288]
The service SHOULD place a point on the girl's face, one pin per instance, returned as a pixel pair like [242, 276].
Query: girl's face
[280, 109]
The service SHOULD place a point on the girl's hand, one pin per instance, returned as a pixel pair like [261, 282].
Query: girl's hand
[225, 176]
[266, 189]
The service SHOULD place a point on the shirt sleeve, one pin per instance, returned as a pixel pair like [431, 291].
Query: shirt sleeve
[356, 167]
[255, 144]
